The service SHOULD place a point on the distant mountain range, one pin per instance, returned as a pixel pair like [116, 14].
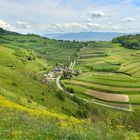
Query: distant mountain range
[86, 36]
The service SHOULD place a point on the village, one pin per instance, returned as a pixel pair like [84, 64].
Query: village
[65, 73]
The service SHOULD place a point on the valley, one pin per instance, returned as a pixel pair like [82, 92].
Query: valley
[95, 86]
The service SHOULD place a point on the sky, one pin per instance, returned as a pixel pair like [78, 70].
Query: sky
[56, 16]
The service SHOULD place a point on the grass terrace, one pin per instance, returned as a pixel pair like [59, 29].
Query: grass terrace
[107, 68]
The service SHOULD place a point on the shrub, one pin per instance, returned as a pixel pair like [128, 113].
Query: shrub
[21, 41]
[71, 90]
[14, 84]
[33, 40]
[31, 96]
[29, 58]
[81, 113]
[29, 101]
[60, 95]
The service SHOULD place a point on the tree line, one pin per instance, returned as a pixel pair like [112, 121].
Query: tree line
[128, 41]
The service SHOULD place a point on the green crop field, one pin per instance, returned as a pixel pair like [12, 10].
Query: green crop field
[108, 68]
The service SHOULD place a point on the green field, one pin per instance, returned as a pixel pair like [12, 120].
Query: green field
[109, 68]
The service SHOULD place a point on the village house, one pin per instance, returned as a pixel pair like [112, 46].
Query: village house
[50, 75]
[69, 70]
[58, 70]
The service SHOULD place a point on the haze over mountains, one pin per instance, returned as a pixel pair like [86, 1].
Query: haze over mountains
[86, 36]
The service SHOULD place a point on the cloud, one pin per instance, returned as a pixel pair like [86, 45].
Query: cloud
[73, 26]
[57, 25]
[97, 14]
[5, 25]
[93, 25]
[89, 20]
[130, 19]
[73, 15]
[110, 23]
[24, 25]
[115, 27]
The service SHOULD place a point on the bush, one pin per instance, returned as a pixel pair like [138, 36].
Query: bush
[21, 41]
[82, 113]
[14, 84]
[71, 90]
[28, 55]
[29, 101]
[61, 95]
[31, 96]
[33, 40]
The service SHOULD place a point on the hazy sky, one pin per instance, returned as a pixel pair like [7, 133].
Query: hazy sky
[35, 16]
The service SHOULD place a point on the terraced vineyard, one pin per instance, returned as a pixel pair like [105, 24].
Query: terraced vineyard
[52, 51]
[107, 70]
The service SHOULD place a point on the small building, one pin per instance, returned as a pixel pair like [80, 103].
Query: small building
[50, 75]
[46, 79]
[58, 69]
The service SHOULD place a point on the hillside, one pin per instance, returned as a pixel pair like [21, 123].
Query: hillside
[5, 32]
[32, 110]
[129, 41]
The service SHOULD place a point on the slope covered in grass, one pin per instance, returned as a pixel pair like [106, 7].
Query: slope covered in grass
[18, 122]
[22, 79]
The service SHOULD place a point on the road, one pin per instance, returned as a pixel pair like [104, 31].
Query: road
[58, 83]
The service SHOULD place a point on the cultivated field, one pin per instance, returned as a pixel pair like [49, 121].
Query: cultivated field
[108, 96]
[107, 70]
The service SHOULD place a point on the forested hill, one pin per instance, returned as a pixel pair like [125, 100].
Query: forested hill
[128, 41]
[5, 32]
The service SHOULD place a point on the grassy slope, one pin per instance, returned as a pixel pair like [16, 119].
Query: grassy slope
[15, 51]
[20, 86]
[35, 122]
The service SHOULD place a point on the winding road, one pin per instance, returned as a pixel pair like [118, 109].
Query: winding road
[58, 83]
